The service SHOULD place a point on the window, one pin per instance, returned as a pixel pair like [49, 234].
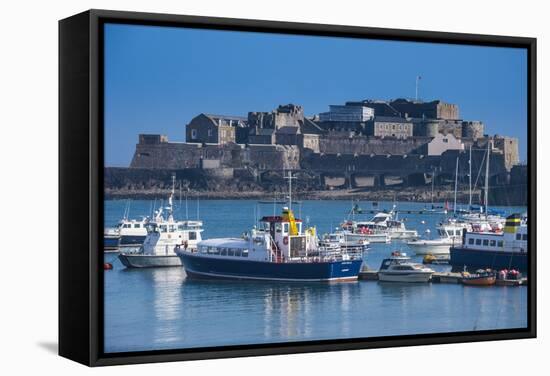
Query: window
[192, 235]
[171, 228]
[238, 252]
[193, 134]
[446, 140]
[518, 236]
[493, 243]
[245, 253]
[210, 133]
[524, 237]
[478, 241]
[485, 241]
[163, 228]
[213, 250]
[285, 228]
[137, 225]
[223, 252]
[500, 243]
[230, 252]
[470, 241]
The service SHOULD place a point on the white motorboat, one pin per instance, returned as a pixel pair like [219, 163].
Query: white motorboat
[345, 241]
[399, 268]
[164, 234]
[382, 228]
[449, 235]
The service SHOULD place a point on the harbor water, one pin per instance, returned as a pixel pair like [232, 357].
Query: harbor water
[159, 308]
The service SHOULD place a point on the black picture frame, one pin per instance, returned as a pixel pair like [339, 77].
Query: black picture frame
[81, 186]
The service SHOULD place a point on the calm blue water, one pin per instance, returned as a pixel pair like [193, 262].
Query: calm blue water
[158, 309]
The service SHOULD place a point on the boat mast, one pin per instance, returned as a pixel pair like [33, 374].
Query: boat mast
[433, 179]
[290, 177]
[487, 179]
[470, 180]
[456, 184]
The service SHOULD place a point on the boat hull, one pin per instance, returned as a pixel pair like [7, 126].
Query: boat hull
[479, 281]
[425, 249]
[403, 277]
[149, 261]
[110, 243]
[481, 259]
[209, 267]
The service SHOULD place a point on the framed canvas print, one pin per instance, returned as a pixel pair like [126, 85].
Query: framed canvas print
[239, 187]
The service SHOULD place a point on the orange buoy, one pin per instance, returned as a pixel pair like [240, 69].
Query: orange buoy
[107, 266]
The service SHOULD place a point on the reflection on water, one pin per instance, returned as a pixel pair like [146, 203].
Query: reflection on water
[149, 309]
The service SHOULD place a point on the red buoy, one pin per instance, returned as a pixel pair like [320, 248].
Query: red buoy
[107, 266]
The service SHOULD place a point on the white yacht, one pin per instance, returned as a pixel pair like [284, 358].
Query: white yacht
[164, 234]
[449, 235]
[399, 268]
[382, 228]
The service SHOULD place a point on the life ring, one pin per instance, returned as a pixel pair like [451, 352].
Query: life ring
[285, 240]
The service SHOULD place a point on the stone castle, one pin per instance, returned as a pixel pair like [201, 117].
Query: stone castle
[369, 143]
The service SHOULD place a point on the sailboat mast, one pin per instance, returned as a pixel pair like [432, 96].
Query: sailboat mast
[433, 181]
[470, 180]
[487, 178]
[456, 185]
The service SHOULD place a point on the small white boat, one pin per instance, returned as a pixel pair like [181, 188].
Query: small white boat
[382, 228]
[399, 268]
[449, 235]
[164, 235]
[344, 241]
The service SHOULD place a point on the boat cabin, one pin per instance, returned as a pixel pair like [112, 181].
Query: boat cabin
[513, 239]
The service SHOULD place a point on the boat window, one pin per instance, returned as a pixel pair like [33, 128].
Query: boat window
[230, 252]
[493, 243]
[214, 250]
[126, 225]
[192, 235]
[278, 227]
[238, 252]
[285, 228]
[203, 249]
[441, 232]
[485, 241]
[471, 241]
[245, 253]
[500, 243]
[223, 252]
[478, 241]
[163, 228]
[518, 236]
[171, 228]
[137, 225]
[524, 236]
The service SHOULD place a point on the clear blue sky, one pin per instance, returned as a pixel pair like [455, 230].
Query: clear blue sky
[158, 78]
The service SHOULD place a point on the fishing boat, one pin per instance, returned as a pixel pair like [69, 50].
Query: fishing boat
[399, 268]
[480, 278]
[496, 250]
[449, 234]
[279, 249]
[164, 234]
